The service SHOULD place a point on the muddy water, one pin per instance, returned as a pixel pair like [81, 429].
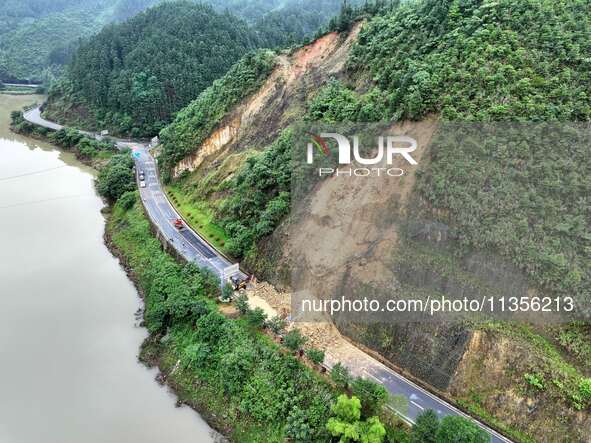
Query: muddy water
[68, 344]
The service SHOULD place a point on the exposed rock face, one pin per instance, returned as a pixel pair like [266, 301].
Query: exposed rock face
[491, 370]
[216, 141]
[258, 119]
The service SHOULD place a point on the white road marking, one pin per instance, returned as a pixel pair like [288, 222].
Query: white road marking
[417, 405]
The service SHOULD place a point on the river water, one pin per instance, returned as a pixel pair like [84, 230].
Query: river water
[68, 340]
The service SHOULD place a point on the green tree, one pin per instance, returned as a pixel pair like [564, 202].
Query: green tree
[347, 413]
[456, 429]
[256, 318]
[116, 178]
[341, 376]
[127, 200]
[242, 304]
[373, 395]
[294, 340]
[346, 423]
[316, 356]
[227, 292]
[425, 428]
[236, 367]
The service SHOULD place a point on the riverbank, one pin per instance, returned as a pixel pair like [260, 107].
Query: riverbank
[86, 150]
[242, 382]
[67, 311]
[153, 354]
[129, 238]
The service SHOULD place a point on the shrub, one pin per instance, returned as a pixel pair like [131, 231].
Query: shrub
[585, 389]
[297, 428]
[372, 395]
[236, 367]
[341, 376]
[425, 428]
[346, 423]
[316, 356]
[227, 292]
[276, 325]
[116, 178]
[127, 200]
[294, 340]
[456, 429]
[535, 380]
[256, 318]
[242, 304]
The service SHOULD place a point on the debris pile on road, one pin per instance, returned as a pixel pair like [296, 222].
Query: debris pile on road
[279, 301]
[323, 336]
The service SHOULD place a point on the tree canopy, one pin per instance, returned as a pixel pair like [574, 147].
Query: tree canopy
[136, 74]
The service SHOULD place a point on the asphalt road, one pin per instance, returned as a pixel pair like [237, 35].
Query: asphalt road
[194, 248]
[187, 242]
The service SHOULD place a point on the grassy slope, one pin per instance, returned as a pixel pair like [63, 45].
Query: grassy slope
[199, 216]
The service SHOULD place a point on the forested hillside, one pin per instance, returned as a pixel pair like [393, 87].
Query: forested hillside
[37, 35]
[40, 36]
[479, 61]
[134, 75]
[515, 189]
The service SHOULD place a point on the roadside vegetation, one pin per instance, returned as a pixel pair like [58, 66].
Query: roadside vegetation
[86, 149]
[234, 371]
[199, 216]
[195, 122]
[260, 198]
[116, 177]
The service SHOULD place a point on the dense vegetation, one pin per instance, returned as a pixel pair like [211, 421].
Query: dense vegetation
[38, 36]
[475, 61]
[135, 75]
[116, 177]
[132, 77]
[260, 387]
[194, 123]
[260, 198]
[229, 365]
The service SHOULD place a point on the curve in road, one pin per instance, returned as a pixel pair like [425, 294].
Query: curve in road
[194, 248]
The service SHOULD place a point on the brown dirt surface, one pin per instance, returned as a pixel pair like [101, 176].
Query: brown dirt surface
[269, 110]
[491, 371]
[349, 224]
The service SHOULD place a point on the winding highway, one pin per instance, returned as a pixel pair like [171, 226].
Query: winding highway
[186, 241]
[194, 248]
